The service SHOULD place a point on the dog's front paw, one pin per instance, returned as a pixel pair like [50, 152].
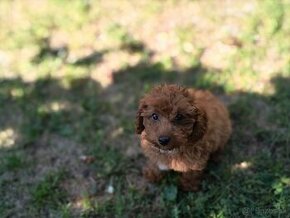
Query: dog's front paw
[188, 186]
[153, 174]
[191, 181]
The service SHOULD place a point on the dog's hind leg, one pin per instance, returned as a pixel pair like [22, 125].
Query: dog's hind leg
[216, 157]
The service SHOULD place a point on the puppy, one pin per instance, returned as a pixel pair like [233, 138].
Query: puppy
[181, 129]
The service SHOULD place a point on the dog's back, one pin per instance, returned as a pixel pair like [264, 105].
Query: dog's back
[219, 126]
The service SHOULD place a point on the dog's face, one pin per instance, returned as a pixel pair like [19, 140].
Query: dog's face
[170, 118]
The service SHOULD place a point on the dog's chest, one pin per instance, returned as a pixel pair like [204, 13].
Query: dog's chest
[173, 164]
[162, 166]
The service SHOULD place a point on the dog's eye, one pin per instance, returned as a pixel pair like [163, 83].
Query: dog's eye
[154, 116]
[179, 117]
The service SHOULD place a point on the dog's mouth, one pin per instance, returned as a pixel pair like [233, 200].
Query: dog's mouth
[167, 150]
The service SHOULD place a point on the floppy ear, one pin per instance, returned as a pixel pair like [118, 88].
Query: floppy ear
[200, 125]
[139, 127]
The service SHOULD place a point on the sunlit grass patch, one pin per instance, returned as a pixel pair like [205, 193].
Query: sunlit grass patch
[7, 138]
[53, 107]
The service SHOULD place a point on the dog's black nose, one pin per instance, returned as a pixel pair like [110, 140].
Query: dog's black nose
[164, 140]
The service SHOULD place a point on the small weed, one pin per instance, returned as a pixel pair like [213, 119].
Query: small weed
[11, 162]
[48, 193]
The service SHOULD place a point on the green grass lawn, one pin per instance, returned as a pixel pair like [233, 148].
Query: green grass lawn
[71, 75]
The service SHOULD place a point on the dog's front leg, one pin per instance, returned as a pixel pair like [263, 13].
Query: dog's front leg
[191, 181]
[152, 172]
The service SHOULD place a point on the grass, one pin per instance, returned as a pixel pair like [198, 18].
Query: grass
[48, 193]
[70, 80]
[12, 162]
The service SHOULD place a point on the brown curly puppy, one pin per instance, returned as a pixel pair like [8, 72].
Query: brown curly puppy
[181, 129]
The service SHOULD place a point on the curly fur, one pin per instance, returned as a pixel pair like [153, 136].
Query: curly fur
[200, 131]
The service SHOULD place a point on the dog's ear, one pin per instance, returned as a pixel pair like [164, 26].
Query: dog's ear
[139, 126]
[200, 125]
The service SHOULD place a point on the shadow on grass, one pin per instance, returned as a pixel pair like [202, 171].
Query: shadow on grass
[94, 58]
[253, 176]
[46, 51]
